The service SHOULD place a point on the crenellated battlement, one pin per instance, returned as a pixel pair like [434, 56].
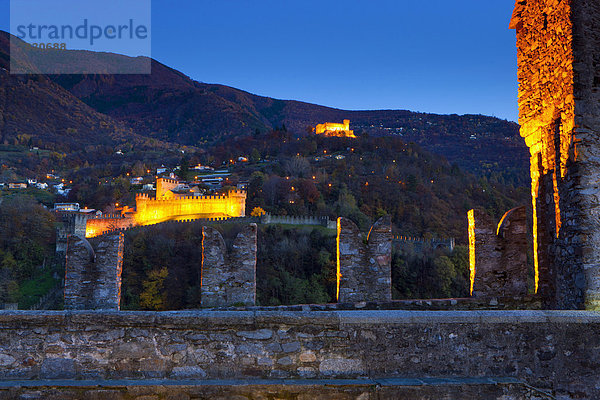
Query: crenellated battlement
[185, 197]
[109, 216]
[236, 192]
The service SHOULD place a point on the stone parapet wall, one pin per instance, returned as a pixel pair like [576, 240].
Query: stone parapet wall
[550, 350]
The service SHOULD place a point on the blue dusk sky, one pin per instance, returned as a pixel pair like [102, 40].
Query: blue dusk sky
[434, 56]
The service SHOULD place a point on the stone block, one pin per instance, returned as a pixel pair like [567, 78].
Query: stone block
[228, 279]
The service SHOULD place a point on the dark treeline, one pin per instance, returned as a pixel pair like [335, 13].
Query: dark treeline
[28, 264]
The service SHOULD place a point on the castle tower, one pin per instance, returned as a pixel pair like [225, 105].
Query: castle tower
[236, 203]
[163, 186]
[558, 45]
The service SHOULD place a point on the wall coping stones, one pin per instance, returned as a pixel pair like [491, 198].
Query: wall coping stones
[260, 319]
[448, 350]
[260, 382]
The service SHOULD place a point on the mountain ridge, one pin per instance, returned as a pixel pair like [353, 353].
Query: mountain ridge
[170, 107]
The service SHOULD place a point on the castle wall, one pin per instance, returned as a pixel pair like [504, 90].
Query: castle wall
[228, 278]
[422, 244]
[93, 273]
[152, 211]
[335, 129]
[105, 224]
[70, 223]
[555, 351]
[298, 220]
[364, 270]
[558, 44]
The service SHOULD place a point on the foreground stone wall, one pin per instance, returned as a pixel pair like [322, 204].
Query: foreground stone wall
[555, 351]
[498, 254]
[228, 278]
[364, 271]
[93, 272]
[274, 389]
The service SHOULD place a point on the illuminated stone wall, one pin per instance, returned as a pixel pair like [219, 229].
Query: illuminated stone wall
[558, 48]
[164, 185]
[108, 223]
[151, 211]
[93, 273]
[364, 270]
[228, 278]
[498, 254]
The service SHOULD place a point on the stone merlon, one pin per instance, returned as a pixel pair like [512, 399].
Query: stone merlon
[364, 269]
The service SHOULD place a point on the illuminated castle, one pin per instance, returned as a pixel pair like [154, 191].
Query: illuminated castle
[170, 206]
[335, 130]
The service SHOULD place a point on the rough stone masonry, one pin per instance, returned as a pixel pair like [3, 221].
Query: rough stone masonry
[558, 45]
[554, 351]
[93, 272]
[364, 271]
[228, 278]
[498, 254]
